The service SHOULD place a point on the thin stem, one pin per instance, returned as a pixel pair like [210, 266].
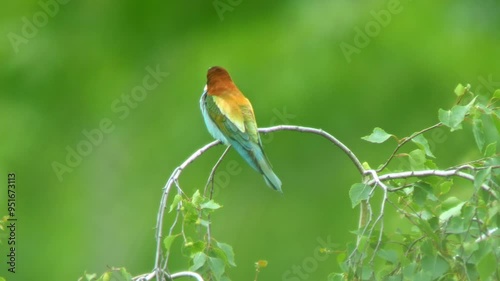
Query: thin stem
[212, 173]
[211, 182]
[405, 140]
[427, 173]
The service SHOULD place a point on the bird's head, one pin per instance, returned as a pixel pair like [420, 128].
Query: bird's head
[218, 81]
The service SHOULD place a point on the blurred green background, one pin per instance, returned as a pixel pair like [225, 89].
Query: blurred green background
[68, 71]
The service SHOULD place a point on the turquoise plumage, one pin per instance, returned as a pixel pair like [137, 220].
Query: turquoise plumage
[229, 117]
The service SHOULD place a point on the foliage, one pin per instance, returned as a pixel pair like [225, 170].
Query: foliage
[114, 274]
[443, 234]
[208, 256]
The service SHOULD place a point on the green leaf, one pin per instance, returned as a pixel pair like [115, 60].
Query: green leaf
[203, 222]
[478, 131]
[366, 272]
[125, 275]
[469, 248]
[419, 196]
[358, 192]
[393, 277]
[210, 205]
[195, 247]
[453, 118]
[388, 255]
[435, 264]
[491, 149]
[176, 201]
[496, 94]
[168, 241]
[228, 250]
[199, 260]
[445, 187]
[422, 143]
[118, 274]
[482, 176]
[217, 266]
[486, 266]
[450, 202]
[460, 90]
[378, 136]
[423, 275]
[336, 277]
[197, 198]
[90, 276]
[452, 212]
[423, 191]
[409, 271]
[457, 225]
[417, 159]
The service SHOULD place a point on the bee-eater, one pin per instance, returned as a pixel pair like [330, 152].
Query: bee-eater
[229, 118]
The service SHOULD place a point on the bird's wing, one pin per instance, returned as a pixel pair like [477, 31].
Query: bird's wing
[238, 122]
[229, 107]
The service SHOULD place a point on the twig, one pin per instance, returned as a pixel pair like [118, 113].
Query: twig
[187, 274]
[485, 236]
[405, 140]
[363, 222]
[381, 214]
[150, 276]
[170, 231]
[427, 173]
[212, 173]
[211, 181]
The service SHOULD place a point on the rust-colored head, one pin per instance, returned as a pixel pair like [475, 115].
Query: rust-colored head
[219, 81]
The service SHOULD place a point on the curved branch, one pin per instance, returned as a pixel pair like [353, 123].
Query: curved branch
[187, 274]
[375, 180]
[150, 276]
[427, 173]
[173, 179]
[322, 133]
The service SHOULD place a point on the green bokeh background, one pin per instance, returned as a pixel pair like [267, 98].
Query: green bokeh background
[284, 55]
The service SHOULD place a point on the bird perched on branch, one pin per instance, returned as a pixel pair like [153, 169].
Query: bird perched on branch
[229, 118]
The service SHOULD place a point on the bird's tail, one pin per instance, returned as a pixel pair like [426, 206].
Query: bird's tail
[272, 180]
[256, 158]
[267, 171]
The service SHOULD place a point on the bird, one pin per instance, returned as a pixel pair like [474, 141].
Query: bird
[229, 118]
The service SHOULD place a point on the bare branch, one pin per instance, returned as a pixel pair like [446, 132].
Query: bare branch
[427, 173]
[211, 181]
[486, 235]
[212, 173]
[150, 276]
[186, 274]
[381, 213]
